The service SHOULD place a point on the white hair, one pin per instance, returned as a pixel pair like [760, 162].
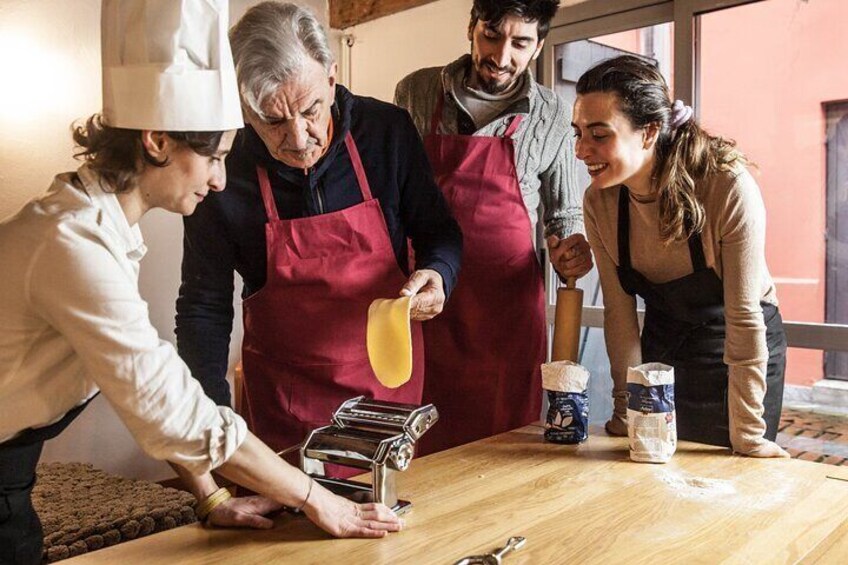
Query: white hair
[271, 44]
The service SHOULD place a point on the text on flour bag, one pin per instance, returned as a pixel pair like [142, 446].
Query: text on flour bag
[651, 422]
[567, 419]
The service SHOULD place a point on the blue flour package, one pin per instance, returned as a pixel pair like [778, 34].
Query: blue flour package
[568, 417]
[567, 420]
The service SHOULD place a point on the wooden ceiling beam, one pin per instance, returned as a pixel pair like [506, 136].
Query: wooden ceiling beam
[347, 13]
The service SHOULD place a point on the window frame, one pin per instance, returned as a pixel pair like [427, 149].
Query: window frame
[593, 18]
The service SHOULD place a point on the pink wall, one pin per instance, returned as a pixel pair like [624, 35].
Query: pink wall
[765, 71]
[626, 40]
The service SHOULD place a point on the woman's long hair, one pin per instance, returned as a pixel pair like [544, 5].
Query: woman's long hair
[119, 156]
[685, 155]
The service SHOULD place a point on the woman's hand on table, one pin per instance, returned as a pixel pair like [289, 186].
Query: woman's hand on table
[617, 424]
[256, 466]
[346, 519]
[244, 512]
[747, 427]
[764, 448]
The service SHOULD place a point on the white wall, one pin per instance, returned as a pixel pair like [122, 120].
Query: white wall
[387, 49]
[50, 74]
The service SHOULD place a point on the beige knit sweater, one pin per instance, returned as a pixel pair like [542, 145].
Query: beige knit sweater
[734, 245]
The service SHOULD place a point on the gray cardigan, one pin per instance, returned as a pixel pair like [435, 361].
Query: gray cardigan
[544, 156]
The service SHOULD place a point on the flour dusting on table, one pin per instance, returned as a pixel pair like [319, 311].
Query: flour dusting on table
[691, 486]
[776, 489]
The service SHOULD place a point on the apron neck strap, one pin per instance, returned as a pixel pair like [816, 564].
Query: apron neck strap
[267, 195]
[513, 125]
[355, 159]
[696, 249]
[624, 227]
[436, 119]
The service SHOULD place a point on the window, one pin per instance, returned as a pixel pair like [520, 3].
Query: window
[572, 60]
[769, 74]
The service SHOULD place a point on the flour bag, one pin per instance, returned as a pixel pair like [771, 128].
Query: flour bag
[651, 422]
[567, 420]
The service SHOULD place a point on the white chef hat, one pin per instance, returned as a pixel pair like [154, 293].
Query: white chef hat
[167, 66]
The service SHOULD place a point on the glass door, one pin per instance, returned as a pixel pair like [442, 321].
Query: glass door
[570, 51]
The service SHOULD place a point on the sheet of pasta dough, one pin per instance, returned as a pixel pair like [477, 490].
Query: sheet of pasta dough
[389, 340]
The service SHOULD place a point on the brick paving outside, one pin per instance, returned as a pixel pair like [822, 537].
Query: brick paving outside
[810, 436]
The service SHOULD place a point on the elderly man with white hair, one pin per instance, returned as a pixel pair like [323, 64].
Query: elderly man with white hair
[326, 191]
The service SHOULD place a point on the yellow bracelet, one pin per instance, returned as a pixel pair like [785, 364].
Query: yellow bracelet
[208, 504]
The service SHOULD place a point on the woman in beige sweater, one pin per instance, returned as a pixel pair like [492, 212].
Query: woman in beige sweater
[674, 216]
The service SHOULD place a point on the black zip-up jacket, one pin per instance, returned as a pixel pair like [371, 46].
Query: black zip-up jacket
[227, 231]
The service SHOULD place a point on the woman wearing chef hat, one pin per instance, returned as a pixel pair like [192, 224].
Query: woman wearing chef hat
[72, 323]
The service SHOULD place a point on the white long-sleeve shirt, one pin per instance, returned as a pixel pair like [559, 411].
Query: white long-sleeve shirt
[72, 322]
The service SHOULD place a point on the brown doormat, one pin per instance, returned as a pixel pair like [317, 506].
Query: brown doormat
[82, 508]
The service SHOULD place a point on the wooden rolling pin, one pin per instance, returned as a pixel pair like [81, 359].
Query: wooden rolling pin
[569, 310]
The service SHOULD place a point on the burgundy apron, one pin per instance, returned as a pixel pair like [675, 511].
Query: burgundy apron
[484, 352]
[304, 349]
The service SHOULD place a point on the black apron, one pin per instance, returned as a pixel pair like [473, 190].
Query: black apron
[685, 328]
[21, 536]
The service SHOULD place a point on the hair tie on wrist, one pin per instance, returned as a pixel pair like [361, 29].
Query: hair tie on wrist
[680, 114]
[308, 494]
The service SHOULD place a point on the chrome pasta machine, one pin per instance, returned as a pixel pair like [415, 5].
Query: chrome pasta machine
[369, 435]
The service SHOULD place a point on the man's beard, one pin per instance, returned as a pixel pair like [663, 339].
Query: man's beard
[493, 86]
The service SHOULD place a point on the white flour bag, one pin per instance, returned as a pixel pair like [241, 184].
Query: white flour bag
[651, 423]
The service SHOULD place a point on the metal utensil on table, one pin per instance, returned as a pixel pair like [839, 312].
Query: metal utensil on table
[494, 558]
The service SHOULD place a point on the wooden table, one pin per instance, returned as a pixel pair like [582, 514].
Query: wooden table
[589, 504]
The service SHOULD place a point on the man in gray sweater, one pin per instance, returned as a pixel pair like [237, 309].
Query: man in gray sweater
[499, 144]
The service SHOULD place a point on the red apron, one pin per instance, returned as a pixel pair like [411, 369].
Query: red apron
[484, 352]
[304, 349]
